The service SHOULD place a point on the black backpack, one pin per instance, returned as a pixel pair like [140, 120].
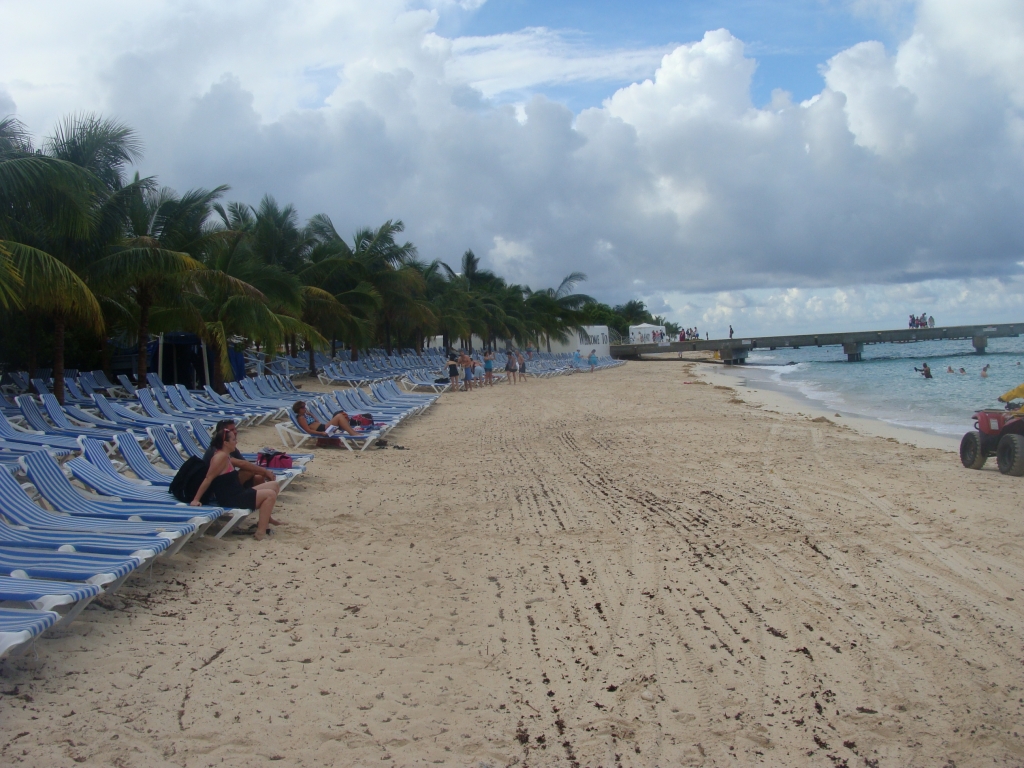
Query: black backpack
[188, 479]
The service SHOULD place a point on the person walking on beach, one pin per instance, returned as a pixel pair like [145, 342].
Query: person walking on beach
[511, 366]
[592, 359]
[489, 367]
[730, 331]
[924, 370]
[522, 366]
[576, 360]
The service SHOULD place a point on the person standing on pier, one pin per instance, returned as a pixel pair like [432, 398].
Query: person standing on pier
[730, 331]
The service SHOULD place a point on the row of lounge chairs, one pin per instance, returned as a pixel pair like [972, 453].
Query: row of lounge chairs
[84, 490]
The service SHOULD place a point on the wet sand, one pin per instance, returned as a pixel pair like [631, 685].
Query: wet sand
[617, 569]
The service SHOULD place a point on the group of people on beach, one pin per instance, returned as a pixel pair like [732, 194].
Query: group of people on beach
[924, 321]
[515, 368]
[577, 360]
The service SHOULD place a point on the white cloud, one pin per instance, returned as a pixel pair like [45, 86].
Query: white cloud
[904, 170]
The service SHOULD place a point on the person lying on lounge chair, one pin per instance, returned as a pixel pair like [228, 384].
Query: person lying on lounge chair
[249, 474]
[309, 423]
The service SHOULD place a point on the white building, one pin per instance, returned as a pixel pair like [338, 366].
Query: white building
[645, 333]
[592, 337]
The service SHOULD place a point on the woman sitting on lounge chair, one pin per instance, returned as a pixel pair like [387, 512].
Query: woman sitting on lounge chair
[222, 480]
[309, 423]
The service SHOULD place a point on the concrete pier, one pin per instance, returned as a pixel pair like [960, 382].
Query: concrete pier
[735, 351]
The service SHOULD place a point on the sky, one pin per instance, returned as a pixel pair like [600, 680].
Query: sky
[807, 165]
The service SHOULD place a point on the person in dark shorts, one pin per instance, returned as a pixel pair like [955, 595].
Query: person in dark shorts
[511, 367]
[249, 474]
[453, 370]
[222, 480]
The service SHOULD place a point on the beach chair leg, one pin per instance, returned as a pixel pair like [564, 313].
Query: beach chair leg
[70, 616]
[237, 515]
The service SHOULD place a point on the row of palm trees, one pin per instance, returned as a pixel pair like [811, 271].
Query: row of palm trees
[87, 246]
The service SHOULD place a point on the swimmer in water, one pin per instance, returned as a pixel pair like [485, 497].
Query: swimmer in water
[961, 371]
[949, 369]
[984, 372]
[924, 370]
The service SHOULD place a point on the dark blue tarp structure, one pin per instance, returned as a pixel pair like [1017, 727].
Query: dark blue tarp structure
[183, 360]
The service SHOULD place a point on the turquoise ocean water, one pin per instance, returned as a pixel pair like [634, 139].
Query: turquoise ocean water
[884, 386]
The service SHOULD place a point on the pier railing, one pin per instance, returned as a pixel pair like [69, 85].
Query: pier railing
[735, 351]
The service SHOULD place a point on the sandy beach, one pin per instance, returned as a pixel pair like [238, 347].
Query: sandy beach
[632, 568]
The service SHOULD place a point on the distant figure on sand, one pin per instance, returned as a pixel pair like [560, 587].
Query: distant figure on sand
[592, 360]
[453, 371]
[489, 367]
[511, 366]
[924, 370]
[522, 366]
[578, 362]
[467, 364]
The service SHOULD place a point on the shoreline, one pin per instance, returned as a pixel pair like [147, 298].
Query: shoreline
[783, 401]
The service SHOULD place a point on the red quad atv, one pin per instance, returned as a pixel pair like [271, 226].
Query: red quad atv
[997, 432]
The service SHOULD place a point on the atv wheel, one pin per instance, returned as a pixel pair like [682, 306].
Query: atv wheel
[1010, 455]
[971, 455]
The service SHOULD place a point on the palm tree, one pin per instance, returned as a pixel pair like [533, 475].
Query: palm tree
[49, 218]
[148, 265]
[557, 310]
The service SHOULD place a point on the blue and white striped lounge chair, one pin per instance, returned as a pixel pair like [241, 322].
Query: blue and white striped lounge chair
[141, 547]
[229, 400]
[44, 595]
[19, 628]
[62, 416]
[139, 462]
[125, 418]
[197, 403]
[34, 419]
[9, 433]
[127, 385]
[294, 436]
[107, 571]
[165, 447]
[52, 485]
[82, 416]
[150, 408]
[19, 510]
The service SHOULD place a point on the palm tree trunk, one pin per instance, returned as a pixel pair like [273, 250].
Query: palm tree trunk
[33, 359]
[312, 362]
[444, 341]
[105, 356]
[334, 347]
[387, 335]
[218, 372]
[353, 352]
[143, 342]
[58, 358]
